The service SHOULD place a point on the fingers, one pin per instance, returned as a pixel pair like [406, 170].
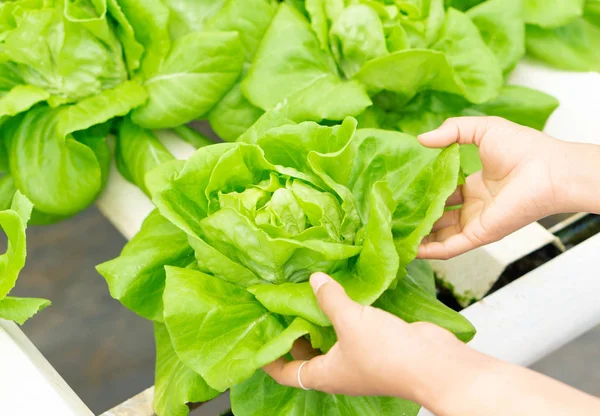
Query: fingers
[336, 304]
[449, 219]
[463, 130]
[456, 198]
[333, 299]
[445, 244]
[303, 350]
[286, 372]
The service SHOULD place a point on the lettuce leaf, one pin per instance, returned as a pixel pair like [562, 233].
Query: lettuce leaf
[20, 310]
[357, 36]
[261, 395]
[575, 46]
[68, 49]
[14, 222]
[300, 74]
[149, 21]
[234, 114]
[137, 152]
[458, 62]
[175, 384]
[20, 98]
[60, 174]
[186, 16]
[418, 288]
[199, 69]
[137, 277]
[132, 48]
[561, 13]
[234, 326]
[502, 27]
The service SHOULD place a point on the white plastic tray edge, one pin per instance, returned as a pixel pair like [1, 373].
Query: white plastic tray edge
[31, 385]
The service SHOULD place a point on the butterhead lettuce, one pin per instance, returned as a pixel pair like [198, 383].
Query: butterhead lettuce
[67, 49]
[223, 265]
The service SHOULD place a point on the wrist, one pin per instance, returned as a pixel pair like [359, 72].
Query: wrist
[459, 390]
[577, 178]
[441, 364]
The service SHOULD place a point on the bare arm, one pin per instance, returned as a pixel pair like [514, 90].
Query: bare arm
[578, 178]
[486, 386]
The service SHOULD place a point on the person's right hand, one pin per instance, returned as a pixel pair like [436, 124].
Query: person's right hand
[377, 353]
[516, 186]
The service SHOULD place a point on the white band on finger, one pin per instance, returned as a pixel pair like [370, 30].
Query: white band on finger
[299, 378]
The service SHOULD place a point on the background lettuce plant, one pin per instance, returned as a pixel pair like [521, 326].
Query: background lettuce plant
[14, 222]
[403, 65]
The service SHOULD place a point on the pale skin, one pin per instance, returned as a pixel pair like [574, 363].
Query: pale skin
[526, 175]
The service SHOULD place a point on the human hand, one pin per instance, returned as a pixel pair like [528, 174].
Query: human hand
[380, 354]
[376, 353]
[517, 185]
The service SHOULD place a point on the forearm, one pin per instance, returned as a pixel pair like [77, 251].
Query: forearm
[577, 178]
[484, 386]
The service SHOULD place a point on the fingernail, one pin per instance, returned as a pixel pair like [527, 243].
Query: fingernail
[317, 280]
[427, 135]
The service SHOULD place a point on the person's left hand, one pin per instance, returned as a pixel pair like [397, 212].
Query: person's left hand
[377, 353]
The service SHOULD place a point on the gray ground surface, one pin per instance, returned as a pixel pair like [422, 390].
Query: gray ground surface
[106, 353]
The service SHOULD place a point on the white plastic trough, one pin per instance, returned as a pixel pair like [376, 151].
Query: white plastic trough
[28, 383]
[520, 323]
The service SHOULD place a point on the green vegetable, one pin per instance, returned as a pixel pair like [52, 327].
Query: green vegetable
[260, 216]
[300, 74]
[147, 22]
[560, 13]
[67, 49]
[14, 222]
[357, 36]
[261, 395]
[519, 104]
[458, 62]
[60, 174]
[137, 277]
[175, 384]
[417, 289]
[15, 98]
[199, 70]
[137, 152]
[503, 29]
[575, 46]
[234, 114]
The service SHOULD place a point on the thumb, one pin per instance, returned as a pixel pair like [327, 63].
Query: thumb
[333, 299]
[463, 130]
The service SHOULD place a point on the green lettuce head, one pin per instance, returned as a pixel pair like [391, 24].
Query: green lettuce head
[65, 48]
[241, 226]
